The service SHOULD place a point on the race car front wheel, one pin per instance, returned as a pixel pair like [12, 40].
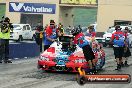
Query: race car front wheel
[39, 66]
[81, 80]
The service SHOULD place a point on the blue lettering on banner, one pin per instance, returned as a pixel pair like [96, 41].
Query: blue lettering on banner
[32, 7]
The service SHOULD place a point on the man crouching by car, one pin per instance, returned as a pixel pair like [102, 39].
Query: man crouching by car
[87, 50]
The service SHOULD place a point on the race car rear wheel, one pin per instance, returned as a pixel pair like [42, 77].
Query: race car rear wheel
[102, 63]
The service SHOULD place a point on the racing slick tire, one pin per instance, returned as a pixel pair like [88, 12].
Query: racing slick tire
[100, 65]
[103, 63]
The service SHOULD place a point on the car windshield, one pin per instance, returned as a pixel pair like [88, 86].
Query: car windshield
[65, 39]
[67, 46]
[16, 27]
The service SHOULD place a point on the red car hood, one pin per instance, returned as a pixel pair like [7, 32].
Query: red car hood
[50, 52]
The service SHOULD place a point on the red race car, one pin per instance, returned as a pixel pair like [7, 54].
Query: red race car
[62, 55]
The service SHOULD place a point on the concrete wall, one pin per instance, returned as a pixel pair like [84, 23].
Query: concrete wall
[85, 16]
[74, 16]
[2, 1]
[65, 16]
[2, 10]
[77, 16]
[110, 10]
[15, 16]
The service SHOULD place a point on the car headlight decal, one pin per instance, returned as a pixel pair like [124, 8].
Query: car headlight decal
[44, 58]
[80, 60]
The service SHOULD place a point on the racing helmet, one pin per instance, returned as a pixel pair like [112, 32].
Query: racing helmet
[75, 31]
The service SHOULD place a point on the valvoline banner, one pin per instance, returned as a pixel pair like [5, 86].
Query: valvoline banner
[32, 7]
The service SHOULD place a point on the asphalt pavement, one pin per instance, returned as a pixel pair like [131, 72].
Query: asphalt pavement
[23, 73]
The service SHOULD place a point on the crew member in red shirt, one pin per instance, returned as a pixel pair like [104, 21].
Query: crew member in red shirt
[80, 40]
[127, 52]
[51, 34]
[118, 38]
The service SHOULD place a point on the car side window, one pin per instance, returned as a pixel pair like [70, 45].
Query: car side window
[24, 28]
[28, 28]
